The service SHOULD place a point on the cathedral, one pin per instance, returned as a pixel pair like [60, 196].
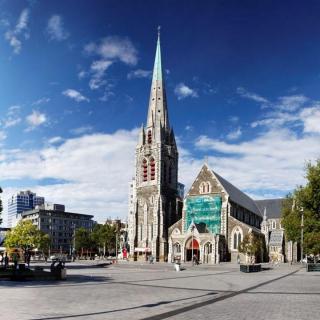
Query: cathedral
[214, 216]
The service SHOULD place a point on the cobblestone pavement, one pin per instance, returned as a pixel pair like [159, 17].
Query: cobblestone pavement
[144, 291]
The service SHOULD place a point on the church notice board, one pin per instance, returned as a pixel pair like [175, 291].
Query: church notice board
[204, 209]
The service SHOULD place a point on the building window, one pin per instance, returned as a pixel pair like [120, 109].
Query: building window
[144, 170]
[236, 237]
[152, 169]
[149, 137]
[170, 174]
[273, 224]
[176, 248]
[205, 187]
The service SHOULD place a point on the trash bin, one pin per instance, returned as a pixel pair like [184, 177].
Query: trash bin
[177, 266]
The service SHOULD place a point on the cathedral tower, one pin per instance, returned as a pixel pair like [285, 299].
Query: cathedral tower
[154, 191]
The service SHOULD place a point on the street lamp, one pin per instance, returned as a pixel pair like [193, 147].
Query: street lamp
[192, 229]
[302, 225]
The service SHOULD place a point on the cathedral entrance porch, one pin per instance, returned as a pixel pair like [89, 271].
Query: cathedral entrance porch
[192, 249]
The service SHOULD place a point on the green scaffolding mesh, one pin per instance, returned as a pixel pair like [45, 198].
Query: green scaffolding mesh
[204, 209]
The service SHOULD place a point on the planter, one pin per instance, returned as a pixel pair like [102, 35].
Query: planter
[247, 268]
[313, 267]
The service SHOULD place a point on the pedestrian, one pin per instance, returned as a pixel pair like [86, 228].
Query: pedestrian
[6, 261]
[195, 259]
[28, 259]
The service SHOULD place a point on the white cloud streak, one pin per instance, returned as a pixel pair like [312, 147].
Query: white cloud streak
[19, 33]
[55, 29]
[182, 91]
[35, 119]
[75, 95]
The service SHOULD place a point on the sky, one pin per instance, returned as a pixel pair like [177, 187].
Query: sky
[242, 81]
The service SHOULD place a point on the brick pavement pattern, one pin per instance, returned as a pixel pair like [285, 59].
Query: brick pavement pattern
[143, 291]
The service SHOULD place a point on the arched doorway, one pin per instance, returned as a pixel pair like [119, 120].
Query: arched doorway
[192, 246]
[207, 252]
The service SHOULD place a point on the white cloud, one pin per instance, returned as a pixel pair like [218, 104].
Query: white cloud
[41, 101]
[311, 119]
[233, 135]
[75, 95]
[55, 140]
[114, 48]
[98, 69]
[35, 119]
[19, 32]
[11, 122]
[291, 103]
[55, 28]
[96, 170]
[139, 73]
[272, 161]
[3, 136]
[183, 91]
[252, 96]
[81, 130]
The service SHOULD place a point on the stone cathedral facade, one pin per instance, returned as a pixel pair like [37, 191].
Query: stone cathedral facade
[210, 221]
[154, 202]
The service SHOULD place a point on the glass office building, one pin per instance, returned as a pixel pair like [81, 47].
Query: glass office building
[20, 202]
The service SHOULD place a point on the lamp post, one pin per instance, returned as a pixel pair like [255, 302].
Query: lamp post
[192, 229]
[302, 225]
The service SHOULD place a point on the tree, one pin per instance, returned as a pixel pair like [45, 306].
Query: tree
[304, 200]
[0, 207]
[26, 236]
[84, 241]
[250, 246]
[104, 236]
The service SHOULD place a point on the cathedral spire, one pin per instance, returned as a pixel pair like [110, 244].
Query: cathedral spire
[157, 112]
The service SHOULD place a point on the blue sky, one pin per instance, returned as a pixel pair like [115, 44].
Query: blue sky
[242, 83]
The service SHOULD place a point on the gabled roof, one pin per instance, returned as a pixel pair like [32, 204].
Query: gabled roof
[238, 196]
[273, 207]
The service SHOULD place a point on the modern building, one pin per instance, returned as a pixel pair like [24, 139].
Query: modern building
[20, 202]
[59, 225]
[155, 198]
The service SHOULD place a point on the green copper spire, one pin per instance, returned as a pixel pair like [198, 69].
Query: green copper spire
[157, 69]
[157, 113]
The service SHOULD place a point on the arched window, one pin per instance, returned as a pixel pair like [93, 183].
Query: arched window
[176, 248]
[152, 169]
[205, 187]
[235, 241]
[144, 170]
[239, 239]
[149, 137]
[170, 174]
[164, 172]
[236, 237]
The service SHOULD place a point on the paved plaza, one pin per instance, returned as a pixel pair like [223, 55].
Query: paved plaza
[144, 291]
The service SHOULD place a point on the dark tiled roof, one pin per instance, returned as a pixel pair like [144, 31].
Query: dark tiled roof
[273, 207]
[202, 227]
[237, 196]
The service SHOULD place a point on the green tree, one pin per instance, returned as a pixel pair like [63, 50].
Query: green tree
[0, 207]
[304, 200]
[84, 241]
[104, 236]
[251, 246]
[26, 236]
